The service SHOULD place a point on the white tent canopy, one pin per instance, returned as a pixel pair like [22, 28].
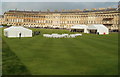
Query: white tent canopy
[14, 31]
[84, 27]
[101, 29]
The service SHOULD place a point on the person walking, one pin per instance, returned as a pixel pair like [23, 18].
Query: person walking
[19, 35]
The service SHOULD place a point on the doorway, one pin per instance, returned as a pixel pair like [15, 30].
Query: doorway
[93, 31]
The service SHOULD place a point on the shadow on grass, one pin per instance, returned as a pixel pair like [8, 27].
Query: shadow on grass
[11, 64]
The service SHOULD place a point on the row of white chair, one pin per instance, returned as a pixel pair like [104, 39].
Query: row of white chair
[61, 35]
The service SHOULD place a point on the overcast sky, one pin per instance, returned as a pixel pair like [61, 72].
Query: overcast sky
[55, 5]
[59, 0]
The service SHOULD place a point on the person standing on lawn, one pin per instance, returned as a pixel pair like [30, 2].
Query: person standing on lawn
[19, 35]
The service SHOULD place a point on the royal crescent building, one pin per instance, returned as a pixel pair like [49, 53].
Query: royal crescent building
[63, 19]
[1, 19]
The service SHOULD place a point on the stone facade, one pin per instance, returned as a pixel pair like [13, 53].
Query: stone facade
[108, 17]
[1, 19]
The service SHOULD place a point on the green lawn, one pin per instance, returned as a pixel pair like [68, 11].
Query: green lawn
[85, 55]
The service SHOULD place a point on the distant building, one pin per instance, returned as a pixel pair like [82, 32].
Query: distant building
[63, 19]
[119, 5]
[1, 19]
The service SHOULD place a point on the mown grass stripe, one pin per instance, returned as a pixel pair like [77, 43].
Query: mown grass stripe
[85, 55]
[11, 64]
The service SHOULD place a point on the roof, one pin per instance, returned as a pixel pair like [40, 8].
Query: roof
[17, 28]
[96, 26]
[79, 27]
[80, 11]
[92, 27]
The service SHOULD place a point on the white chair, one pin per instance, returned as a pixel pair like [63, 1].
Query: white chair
[65, 35]
[78, 34]
[72, 35]
[54, 35]
[47, 35]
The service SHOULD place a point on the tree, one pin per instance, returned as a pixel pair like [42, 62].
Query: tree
[56, 10]
[63, 10]
[4, 25]
[48, 10]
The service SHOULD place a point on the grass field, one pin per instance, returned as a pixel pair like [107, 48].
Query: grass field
[86, 55]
